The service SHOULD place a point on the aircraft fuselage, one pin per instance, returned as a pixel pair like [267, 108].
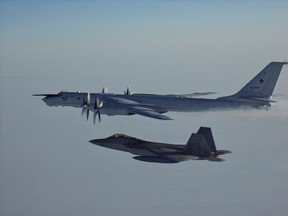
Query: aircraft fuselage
[200, 146]
[255, 94]
[163, 103]
[147, 151]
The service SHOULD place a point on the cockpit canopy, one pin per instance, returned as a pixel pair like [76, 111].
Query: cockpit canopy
[119, 136]
[60, 94]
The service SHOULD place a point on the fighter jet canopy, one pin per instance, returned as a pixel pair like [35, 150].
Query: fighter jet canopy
[119, 136]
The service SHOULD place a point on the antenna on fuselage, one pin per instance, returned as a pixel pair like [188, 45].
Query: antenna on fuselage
[128, 91]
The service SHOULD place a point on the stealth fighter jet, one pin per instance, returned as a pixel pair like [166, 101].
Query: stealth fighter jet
[200, 146]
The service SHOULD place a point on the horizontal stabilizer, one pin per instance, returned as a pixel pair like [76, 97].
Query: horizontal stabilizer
[214, 159]
[220, 152]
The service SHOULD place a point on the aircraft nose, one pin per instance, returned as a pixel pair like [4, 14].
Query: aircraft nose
[97, 142]
[92, 141]
[52, 99]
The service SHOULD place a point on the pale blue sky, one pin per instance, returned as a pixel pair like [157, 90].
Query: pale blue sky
[140, 38]
[47, 165]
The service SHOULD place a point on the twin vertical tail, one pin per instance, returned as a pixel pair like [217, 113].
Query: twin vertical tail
[262, 85]
[201, 144]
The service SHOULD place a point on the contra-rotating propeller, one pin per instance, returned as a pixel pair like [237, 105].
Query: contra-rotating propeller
[96, 109]
[85, 106]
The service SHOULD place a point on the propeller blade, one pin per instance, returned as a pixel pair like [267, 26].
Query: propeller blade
[98, 104]
[96, 109]
[85, 106]
[83, 111]
[99, 117]
[94, 118]
[86, 102]
[88, 98]
[87, 114]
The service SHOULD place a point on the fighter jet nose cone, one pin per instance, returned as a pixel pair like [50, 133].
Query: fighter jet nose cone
[92, 141]
[95, 142]
[98, 142]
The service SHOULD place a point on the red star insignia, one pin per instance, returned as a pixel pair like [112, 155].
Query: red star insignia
[261, 81]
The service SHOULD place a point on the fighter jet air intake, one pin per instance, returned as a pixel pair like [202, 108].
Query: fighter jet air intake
[255, 94]
[200, 146]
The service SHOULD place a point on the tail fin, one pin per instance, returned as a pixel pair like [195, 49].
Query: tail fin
[202, 143]
[207, 133]
[263, 84]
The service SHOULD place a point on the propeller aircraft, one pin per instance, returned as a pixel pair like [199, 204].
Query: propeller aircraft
[255, 94]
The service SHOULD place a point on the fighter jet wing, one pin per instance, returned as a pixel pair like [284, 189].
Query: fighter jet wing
[154, 159]
[148, 112]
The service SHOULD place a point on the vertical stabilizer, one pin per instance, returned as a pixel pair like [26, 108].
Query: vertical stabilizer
[207, 133]
[197, 145]
[263, 84]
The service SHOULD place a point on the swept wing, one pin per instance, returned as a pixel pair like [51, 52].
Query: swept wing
[134, 107]
[148, 112]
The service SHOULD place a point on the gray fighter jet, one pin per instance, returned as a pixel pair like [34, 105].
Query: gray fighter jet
[200, 146]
